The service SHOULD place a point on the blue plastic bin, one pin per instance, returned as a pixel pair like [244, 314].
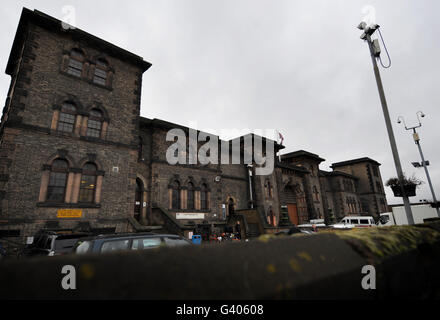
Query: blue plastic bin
[197, 239]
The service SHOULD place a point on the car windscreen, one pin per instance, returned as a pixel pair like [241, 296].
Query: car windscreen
[83, 247]
[65, 244]
[115, 245]
[174, 242]
[146, 243]
[42, 242]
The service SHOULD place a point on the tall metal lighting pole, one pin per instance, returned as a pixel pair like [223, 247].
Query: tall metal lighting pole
[424, 164]
[375, 52]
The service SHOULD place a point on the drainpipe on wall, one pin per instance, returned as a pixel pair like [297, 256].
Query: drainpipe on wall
[250, 185]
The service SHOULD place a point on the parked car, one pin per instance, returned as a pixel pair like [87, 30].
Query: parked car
[52, 243]
[128, 241]
[291, 231]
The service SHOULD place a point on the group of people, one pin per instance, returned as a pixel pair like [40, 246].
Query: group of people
[226, 236]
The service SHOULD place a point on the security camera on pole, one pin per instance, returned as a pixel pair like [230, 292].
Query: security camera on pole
[424, 162]
[375, 53]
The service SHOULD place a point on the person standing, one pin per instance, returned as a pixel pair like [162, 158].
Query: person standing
[238, 229]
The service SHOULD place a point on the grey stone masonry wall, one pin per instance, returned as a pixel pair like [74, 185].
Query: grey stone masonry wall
[30, 140]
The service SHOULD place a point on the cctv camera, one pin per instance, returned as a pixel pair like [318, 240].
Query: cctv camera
[362, 25]
[398, 121]
[422, 115]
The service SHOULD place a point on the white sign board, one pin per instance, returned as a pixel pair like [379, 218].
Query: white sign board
[190, 216]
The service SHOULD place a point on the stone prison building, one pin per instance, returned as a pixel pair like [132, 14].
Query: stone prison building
[76, 155]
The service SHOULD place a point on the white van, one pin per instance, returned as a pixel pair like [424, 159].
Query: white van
[350, 222]
[398, 217]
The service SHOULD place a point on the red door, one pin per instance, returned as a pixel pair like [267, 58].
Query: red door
[293, 213]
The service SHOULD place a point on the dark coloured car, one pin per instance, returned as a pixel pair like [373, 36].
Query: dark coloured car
[293, 230]
[132, 241]
[52, 243]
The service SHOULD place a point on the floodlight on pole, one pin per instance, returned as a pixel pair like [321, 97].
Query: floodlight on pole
[424, 163]
[373, 46]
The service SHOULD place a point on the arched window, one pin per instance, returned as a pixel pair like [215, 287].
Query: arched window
[56, 189]
[94, 124]
[271, 220]
[175, 195]
[76, 62]
[67, 117]
[88, 183]
[204, 197]
[100, 76]
[191, 203]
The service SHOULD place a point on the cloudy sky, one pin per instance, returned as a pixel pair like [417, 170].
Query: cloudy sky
[295, 66]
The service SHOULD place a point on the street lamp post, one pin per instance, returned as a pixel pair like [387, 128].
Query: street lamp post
[424, 163]
[375, 52]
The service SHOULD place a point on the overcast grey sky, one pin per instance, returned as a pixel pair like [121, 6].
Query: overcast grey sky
[295, 66]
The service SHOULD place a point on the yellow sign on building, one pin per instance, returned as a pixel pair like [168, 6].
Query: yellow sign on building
[69, 213]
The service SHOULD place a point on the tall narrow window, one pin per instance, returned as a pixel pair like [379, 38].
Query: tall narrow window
[94, 124]
[271, 217]
[204, 197]
[56, 189]
[231, 207]
[379, 187]
[375, 171]
[75, 63]
[88, 183]
[140, 149]
[66, 121]
[268, 187]
[100, 76]
[191, 204]
[175, 195]
[316, 193]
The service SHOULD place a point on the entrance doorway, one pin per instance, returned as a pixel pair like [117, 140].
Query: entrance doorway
[293, 213]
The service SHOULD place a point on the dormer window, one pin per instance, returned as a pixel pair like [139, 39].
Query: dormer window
[100, 76]
[76, 62]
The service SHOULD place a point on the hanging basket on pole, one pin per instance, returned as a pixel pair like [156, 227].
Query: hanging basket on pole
[409, 186]
[409, 189]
